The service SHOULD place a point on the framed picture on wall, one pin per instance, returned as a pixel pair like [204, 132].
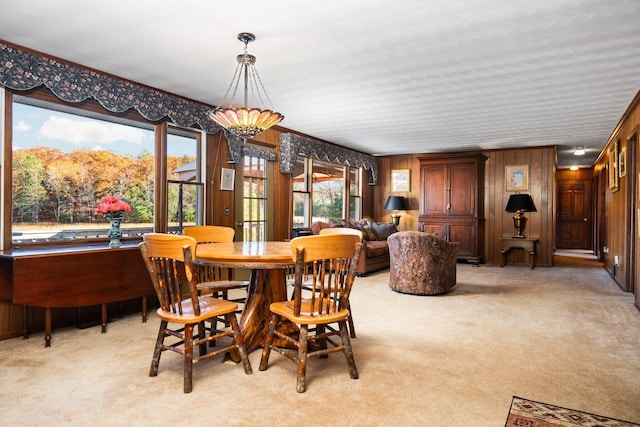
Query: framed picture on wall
[401, 180]
[613, 167]
[516, 177]
[227, 180]
[622, 163]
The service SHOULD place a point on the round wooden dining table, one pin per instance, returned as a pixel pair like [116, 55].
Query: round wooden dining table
[267, 262]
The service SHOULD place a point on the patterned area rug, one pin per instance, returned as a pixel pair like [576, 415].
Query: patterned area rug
[527, 413]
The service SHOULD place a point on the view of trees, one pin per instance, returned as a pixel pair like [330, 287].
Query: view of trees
[52, 186]
[328, 197]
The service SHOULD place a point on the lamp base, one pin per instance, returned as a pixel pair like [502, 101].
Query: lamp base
[519, 222]
[395, 218]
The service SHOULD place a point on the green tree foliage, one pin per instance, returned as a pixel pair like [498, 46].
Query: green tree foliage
[328, 200]
[28, 191]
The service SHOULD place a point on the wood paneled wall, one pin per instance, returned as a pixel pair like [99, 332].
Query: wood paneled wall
[542, 165]
[618, 210]
[409, 219]
[282, 185]
[540, 224]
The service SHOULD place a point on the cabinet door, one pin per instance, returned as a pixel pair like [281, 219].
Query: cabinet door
[465, 235]
[437, 228]
[433, 188]
[462, 189]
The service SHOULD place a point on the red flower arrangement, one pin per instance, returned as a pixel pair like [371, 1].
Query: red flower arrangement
[112, 207]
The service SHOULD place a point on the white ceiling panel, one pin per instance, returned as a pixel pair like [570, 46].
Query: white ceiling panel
[381, 77]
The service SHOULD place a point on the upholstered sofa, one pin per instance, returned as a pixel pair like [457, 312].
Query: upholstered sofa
[421, 263]
[375, 250]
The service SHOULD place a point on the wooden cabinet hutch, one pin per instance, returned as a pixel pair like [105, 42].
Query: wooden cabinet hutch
[452, 201]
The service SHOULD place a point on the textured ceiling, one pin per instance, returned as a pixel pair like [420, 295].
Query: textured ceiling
[377, 76]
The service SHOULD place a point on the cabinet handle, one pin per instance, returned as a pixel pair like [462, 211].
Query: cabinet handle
[448, 190]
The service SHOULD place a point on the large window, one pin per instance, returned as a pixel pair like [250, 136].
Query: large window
[185, 189]
[325, 191]
[65, 159]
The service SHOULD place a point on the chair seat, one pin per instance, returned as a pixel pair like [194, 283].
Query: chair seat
[209, 307]
[309, 313]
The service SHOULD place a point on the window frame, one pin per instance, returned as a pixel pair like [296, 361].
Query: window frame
[307, 192]
[41, 97]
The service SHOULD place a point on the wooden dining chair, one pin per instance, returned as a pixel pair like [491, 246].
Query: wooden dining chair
[343, 230]
[324, 313]
[169, 261]
[212, 279]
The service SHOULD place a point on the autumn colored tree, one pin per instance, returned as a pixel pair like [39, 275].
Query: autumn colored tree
[49, 185]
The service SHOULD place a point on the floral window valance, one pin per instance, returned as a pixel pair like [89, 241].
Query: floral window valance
[23, 70]
[292, 146]
[237, 149]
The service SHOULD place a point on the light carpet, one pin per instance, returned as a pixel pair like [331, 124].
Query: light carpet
[566, 335]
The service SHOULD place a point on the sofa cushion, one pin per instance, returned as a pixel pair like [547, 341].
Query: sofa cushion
[383, 230]
[377, 248]
[319, 225]
[368, 233]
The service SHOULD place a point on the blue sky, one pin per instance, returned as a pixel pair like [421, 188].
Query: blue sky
[38, 127]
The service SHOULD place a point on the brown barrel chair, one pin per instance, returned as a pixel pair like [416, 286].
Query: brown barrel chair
[421, 263]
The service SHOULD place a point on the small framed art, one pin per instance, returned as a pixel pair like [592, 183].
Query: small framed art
[622, 163]
[227, 180]
[401, 180]
[613, 167]
[516, 177]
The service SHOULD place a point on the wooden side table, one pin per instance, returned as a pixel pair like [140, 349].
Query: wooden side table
[511, 243]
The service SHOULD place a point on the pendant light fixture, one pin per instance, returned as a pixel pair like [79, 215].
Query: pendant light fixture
[244, 121]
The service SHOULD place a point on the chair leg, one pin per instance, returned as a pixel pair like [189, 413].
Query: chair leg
[239, 341]
[301, 384]
[25, 321]
[352, 329]
[213, 329]
[144, 309]
[348, 351]
[188, 358]
[202, 334]
[266, 350]
[157, 352]
[322, 342]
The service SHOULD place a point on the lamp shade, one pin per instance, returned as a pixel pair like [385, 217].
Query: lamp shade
[520, 202]
[397, 203]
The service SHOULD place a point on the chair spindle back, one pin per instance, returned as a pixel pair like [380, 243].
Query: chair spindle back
[169, 261]
[330, 263]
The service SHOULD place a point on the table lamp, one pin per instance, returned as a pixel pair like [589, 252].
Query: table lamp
[520, 203]
[395, 203]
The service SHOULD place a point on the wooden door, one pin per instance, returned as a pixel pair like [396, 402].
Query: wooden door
[574, 215]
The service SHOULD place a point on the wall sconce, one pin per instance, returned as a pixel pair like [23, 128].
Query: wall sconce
[520, 203]
[395, 203]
